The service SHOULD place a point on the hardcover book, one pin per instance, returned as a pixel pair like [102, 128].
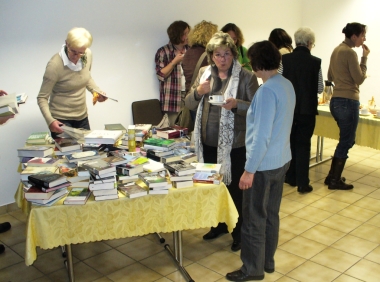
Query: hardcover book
[132, 190]
[99, 167]
[67, 144]
[82, 156]
[47, 180]
[207, 177]
[35, 193]
[180, 168]
[35, 151]
[171, 132]
[103, 136]
[36, 161]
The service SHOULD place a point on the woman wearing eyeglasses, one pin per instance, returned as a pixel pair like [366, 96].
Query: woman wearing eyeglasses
[219, 129]
[62, 97]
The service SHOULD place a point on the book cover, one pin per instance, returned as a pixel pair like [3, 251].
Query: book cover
[153, 166]
[129, 171]
[36, 161]
[78, 194]
[47, 180]
[6, 111]
[154, 179]
[132, 190]
[180, 168]
[115, 126]
[99, 167]
[67, 144]
[103, 136]
[37, 170]
[207, 167]
[35, 193]
[183, 184]
[57, 187]
[207, 177]
[82, 156]
[38, 138]
[157, 142]
[106, 197]
[189, 158]
[35, 151]
[115, 160]
[95, 180]
[59, 193]
[171, 132]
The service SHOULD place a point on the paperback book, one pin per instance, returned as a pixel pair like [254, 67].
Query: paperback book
[77, 196]
[35, 193]
[115, 126]
[99, 167]
[132, 190]
[35, 151]
[171, 132]
[104, 192]
[56, 195]
[180, 168]
[38, 138]
[182, 184]
[208, 177]
[107, 197]
[37, 161]
[115, 160]
[154, 179]
[36, 170]
[82, 156]
[207, 167]
[47, 180]
[103, 136]
[67, 144]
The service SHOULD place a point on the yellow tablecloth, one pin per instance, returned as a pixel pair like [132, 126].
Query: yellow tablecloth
[189, 208]
[367, 133]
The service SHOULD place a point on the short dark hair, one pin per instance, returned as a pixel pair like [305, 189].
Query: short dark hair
[281, 39]
[176, 30]
[239, 35]
[354, 29]
[264, 55]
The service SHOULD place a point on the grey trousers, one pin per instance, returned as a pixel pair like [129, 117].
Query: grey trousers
[259, 233]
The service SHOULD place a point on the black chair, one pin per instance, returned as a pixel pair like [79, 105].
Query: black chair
[147, 112]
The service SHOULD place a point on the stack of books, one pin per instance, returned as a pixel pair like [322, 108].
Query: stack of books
[157, 182]
[134, 166]
[102, 179]
[181, 173]
[77, 196]
[67, 145]
[8, 105]
[46, 189]
[38, 138]
[207, 173]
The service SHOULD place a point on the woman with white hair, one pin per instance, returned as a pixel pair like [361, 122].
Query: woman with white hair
[304, 71]
[62, 97]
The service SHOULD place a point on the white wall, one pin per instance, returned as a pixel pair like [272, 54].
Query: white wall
[126, 37]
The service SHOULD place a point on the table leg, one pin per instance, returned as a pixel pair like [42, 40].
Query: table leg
[177, 255]
[70, 268]
[319, 154]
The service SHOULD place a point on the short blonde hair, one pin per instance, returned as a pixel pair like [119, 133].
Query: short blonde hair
[79, 37]
[223, 40]
[202, 33]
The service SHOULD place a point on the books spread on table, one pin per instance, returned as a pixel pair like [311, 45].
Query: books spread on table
[180, 168]
[132, 190]
[35, 151]
[103, 136]
[207, 177]
[47, 180]
[67, 144]
[77, 196]
[37, 161]
[171, 132]
[207, 167]
[99, 167]
[82, 156]
[38, 138]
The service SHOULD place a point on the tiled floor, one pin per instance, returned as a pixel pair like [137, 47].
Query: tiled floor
[325, 236]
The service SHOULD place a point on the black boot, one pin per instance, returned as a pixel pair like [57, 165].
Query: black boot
[328, 177]
[336, 182]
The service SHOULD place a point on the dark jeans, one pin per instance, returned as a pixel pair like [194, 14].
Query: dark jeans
[261, 222]
[84, 123]
[300, 144]
[346, 114]
[238, 159]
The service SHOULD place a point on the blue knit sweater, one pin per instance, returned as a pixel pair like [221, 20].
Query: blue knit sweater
[269, 122]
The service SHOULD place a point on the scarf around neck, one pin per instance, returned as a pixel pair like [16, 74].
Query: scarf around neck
[226, 125]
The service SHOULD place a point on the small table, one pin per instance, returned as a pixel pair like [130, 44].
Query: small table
[367, 133]
[200, 206]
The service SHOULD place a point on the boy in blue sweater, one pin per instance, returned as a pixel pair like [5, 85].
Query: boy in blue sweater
[269, 122]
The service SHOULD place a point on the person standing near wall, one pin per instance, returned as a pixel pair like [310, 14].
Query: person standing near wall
[304, 72]
[347, 74]
[169, 69]
[62, 97]
[237, 36]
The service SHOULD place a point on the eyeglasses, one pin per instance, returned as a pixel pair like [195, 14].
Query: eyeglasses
[220, 56]
[75, 53]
